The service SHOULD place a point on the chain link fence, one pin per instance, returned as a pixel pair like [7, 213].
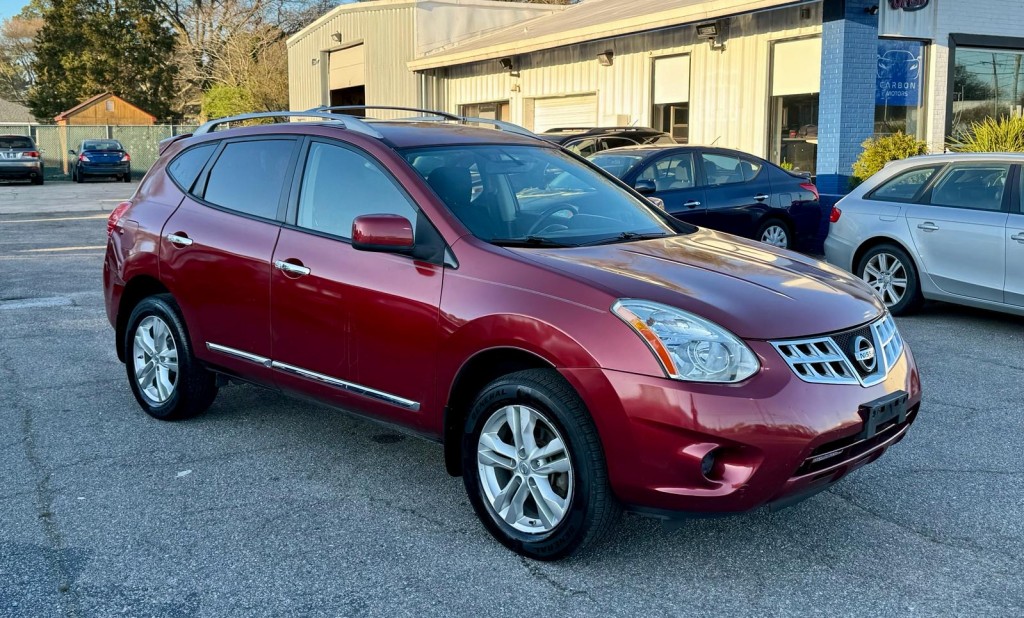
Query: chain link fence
[54, 142]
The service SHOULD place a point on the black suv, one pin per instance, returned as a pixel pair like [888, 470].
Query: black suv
[587, 141]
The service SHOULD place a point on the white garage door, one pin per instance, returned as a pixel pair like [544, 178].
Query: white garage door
[347, 68]
[578, 111]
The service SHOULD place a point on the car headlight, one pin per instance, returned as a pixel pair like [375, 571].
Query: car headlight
[688, 347]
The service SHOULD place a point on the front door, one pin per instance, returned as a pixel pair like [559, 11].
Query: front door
[216, 250]
[1014, 288]
[959, 227]
[354, 328]
[678, 185]
[738, 192]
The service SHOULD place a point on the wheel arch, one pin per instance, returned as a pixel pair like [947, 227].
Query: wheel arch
[476, 372]
[135, 291]
[875, 241]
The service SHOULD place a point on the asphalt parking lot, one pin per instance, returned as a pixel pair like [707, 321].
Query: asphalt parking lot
[270, 506]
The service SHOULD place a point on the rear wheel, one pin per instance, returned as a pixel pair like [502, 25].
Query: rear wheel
[891, 273]
[77, 174]
[534, 468]
[775, 232]
[38, 180]
[166, 379]
[127, 177]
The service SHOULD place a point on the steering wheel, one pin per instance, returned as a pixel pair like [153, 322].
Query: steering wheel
[550, 212]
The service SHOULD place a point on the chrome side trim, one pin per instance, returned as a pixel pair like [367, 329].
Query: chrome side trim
[255, 358]
[358, 389]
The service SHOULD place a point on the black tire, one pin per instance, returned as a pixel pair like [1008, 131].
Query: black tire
[592, 509]
[38, 180]
[194, 387]
[127, 177]
[912, 298]
[77, 174]
[771, 222]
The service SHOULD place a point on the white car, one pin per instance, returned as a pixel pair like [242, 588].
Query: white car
[944, 227]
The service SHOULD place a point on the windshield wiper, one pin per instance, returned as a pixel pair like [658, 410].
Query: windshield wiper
[529, 241]
[627, 237]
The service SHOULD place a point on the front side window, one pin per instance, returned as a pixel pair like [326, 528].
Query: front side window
[904, 187]
[249, 176]
[726, 170]
[674, 172]
[978, 187]
[340, 184]
[533, 196]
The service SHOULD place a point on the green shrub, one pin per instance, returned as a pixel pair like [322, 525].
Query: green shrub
[786, 165]
[990, 135]
[220, 101]
[880, 150]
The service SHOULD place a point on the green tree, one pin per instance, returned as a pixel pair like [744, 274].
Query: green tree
[220, 101]
[87, 47]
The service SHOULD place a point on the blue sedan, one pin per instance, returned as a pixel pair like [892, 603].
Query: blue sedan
[722, 189]
[100, 158]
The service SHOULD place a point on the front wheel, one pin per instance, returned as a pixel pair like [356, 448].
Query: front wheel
[534, 468]
[891, 273]
[166, 379]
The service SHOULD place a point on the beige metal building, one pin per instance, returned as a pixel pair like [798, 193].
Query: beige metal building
[359, 53]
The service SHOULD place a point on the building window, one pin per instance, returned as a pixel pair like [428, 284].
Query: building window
[986, 84]
[796, 80]
[110, 105]
[495, 110]
[671, 110]
[899, 88]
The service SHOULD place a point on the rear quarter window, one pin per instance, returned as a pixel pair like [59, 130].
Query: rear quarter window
[185, 168]
[906, 186]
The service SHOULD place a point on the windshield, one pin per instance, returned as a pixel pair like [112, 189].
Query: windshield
[533, 196]
[101, 145]
[616, 164]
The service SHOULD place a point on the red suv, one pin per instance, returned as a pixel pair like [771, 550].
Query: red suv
[577, 351]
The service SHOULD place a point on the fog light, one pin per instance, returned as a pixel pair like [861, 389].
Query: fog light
[707, 464]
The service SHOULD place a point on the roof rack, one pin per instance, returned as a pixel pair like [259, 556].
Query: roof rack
[432, 116]
[590, 130]
[349, 122]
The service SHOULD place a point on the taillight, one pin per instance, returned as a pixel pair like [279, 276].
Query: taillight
[82, 157]
[116, 215]
[834, 215]
[809, 186]
[31, 154]
[125, 158]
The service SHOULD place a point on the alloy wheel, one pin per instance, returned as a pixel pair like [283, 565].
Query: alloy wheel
[888, 276]
[525, 469]
[776, 236]
[155, 359]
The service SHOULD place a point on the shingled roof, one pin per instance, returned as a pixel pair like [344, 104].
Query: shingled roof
[11, 112]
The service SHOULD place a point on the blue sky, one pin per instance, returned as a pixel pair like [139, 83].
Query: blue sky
[10, 7]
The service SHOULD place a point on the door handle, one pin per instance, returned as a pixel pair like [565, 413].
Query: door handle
[927, 226]
[760, 197]
[179, 240]
[1018, 237]
[292, 269]
[692, 204]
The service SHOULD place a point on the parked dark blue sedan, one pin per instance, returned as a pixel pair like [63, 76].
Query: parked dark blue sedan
[101, 157]
[722, 189]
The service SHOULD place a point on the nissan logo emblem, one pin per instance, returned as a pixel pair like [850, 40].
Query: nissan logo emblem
[864, 353]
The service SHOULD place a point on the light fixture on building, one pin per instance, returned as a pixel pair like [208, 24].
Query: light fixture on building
[507, 64]
[712, 32]
[605, 58]
[805, 13]
[315, 61]
[337, 36]
[872, 10]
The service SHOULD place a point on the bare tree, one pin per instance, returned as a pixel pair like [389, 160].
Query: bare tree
[17, 46]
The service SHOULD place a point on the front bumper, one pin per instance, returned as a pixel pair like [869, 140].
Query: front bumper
[764, 433]
[20, 169]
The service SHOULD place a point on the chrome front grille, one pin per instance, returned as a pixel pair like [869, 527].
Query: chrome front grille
[832, 359]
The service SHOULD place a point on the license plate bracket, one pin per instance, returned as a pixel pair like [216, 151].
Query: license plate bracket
[882, 410]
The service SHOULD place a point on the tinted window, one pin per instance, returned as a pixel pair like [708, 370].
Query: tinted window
[904, 187]
[674, 172]
[979, 187]
[339, 185]
[106, 144]
[616, 164]
[616, 142]
[249, 176]
[583, 147]
[13, 141]
[186, 166]
[724, 170]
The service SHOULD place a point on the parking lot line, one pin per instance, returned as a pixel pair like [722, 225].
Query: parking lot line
[49, 249]
[56, 219]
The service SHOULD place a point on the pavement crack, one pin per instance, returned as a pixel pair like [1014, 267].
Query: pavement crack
[538, 574]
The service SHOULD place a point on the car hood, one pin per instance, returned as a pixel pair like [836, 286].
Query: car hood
[755, 291]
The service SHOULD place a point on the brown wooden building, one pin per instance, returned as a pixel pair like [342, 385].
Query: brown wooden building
[105, 109]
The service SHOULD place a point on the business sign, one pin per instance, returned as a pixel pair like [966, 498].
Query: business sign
[899, 73]
[911, 19]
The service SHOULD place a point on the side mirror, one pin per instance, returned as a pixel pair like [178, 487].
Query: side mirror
[645, 187]
[72, 152]
[657, 201]
[382, 233]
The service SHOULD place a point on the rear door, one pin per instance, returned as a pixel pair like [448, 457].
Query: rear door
[677, 179]
[958, 228]
[358, 329]
[216, 251]
[1014, 238]
[738, 191]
